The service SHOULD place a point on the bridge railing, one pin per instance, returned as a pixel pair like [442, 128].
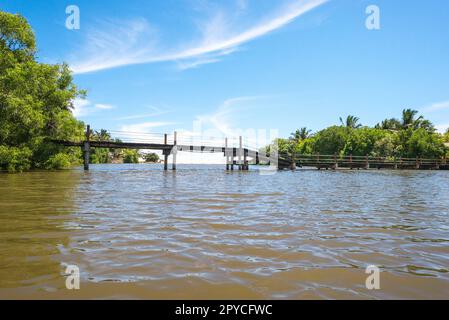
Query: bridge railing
[142, 137]
[182, 138]
[319, 159]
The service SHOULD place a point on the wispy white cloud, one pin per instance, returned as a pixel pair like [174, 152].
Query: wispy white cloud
[136, 42]
[222, 118]
[104, 106]
[80, 107]
[436, 107]
[83, 107]
[155, 111]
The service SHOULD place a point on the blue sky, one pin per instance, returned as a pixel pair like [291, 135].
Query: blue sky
[156, 66]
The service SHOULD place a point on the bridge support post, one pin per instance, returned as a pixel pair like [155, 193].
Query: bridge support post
[335, 167]
[226, 154]
[175, 149]
[86, 149]
[240, 153]
[245, 161]
[293, 165]
[165, 154]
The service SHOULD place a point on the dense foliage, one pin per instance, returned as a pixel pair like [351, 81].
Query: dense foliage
[35, 103]
[409, 137]
[130, 156]
[151, 157]
[446, 136]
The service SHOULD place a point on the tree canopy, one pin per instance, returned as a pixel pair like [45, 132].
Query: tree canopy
[35, 103]
[412, 136]
[151, 157]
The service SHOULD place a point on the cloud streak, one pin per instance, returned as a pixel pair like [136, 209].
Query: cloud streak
[136, 42]
[104, 106]
[436, 107]
[83, 107]
[221, 118]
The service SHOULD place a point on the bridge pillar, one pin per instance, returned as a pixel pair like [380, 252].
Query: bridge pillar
[335, 166]
[226, 154]
[165, 154]
[175, 150]
[86, 152]
[240, 153]
[293, 166]
[86, 149]
[245, 161]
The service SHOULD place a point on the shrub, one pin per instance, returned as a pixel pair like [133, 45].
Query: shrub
[15, 159]
[130, 156]
[151, 157]
[58, 161]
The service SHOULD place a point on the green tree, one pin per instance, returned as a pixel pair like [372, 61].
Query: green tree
[446, 136]
[35, 103]
[424, 144]
[387, 146]
[389, 124]
[130, 156]
[408, 118]
[362, 142]
[102, 135]
[351, 122]
[300, 134]
[101, 155]
[409, 121]
[330, 140]
[151, 157]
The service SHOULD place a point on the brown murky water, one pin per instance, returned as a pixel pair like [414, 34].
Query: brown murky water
[137, 232]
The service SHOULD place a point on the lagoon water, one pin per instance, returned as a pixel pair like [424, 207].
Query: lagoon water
[201, 232]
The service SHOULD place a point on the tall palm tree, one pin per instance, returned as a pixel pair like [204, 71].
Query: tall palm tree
[351, 122]
[300, 134]
[408, 118]
[102, 135]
